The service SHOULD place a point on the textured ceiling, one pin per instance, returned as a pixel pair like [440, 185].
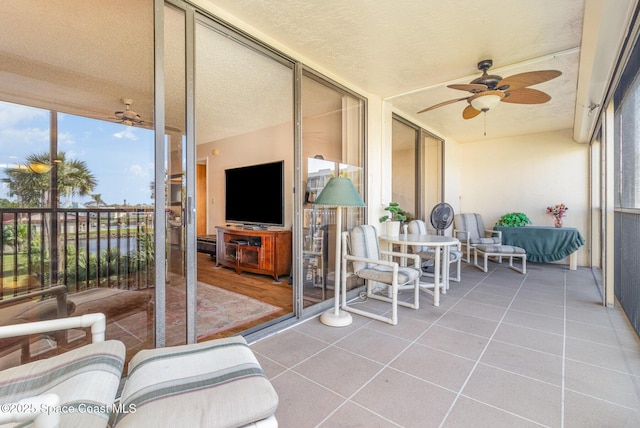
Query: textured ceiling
[408, 51]
[82, 57]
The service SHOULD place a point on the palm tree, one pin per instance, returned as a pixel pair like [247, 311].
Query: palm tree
[32, 188]
[97, 200]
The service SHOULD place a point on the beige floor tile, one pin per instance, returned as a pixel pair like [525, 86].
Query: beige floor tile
[339, 370]
[529, 398]
[513, 361]
[453, 341]
[471, 413]
[442, 368]
[405, 400]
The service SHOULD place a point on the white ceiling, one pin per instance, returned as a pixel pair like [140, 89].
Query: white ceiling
[407, 51]
[83, 56]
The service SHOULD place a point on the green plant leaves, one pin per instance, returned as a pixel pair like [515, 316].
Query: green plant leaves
[513, 220]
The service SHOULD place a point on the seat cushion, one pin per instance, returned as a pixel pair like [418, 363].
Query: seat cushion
[500, 249]
[454, 255]
[86, 376]
[112, 302]
[218, 383]
[384, 274]
[33, 311]
[485, 241]
[29, 311]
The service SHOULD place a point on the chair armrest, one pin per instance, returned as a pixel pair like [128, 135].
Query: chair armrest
[414, 257]
[96, 321]
[492, 232]
[374, 261]
[458, 232]
[39, 409]
[60, 291]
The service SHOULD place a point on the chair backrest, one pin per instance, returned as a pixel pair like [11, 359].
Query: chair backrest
[417, 227]
[471, 223]
[363, 242]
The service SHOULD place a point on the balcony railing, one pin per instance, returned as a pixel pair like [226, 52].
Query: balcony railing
[83, 248]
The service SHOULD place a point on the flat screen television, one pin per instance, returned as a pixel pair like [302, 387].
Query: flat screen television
[254, 194]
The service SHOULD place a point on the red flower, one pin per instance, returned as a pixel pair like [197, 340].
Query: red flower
[558, 210]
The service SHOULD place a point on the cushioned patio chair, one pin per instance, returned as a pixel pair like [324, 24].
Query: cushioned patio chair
[427, 255]
[470, 230]
[218, 383]
[34, 305]
[360, 248]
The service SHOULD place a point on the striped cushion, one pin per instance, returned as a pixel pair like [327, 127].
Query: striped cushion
[500, 249]
[454, 255]
[218, 383]
[385, 274]
[417, 227]
[485, 241]
[472, 223]
[363, 242]
[86, 376]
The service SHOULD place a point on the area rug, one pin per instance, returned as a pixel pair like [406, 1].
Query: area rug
[217, 310]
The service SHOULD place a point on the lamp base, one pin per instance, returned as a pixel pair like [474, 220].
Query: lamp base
[341, 319]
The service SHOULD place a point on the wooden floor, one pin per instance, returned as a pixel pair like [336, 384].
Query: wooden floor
[260, 287]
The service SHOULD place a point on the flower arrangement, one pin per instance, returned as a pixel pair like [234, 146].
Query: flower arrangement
[557, 211]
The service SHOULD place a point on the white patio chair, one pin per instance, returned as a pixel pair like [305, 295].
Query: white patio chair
[361, 249]
[470, 230]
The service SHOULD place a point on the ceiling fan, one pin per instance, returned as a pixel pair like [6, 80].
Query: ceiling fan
[488, 90]
[127, 116]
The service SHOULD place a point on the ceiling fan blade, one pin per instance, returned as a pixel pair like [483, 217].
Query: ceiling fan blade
[469, 87]
[526, 96]
[530, 78]
[442, 104]
[469, 112]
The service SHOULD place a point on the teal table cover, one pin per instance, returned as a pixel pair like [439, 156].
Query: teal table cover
[543, 244]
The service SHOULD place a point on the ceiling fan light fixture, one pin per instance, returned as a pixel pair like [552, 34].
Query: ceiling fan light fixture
[485, 102]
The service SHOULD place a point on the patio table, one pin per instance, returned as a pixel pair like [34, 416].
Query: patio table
[441, 245]
[544, 244]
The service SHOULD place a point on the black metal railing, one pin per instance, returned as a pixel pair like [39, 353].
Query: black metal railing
[80, 248]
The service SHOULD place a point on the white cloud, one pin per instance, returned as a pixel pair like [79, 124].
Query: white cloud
[65, 139]
[12, 114]
[140, 171]
[127, 133]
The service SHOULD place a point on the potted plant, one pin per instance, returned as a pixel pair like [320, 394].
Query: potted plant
[394, 218]
[513, 220]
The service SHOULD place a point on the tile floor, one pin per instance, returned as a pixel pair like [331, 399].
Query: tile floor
[502, 350]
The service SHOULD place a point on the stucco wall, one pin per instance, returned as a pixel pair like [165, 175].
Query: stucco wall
[527, 174]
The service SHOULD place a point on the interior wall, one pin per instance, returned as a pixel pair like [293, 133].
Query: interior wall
[527, 174]
[452, 174]
[262, 146]
[378, 124]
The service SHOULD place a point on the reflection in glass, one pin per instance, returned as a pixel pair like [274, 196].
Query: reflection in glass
[75, 199]
[404, 167]
[332, 144]
[244, 118]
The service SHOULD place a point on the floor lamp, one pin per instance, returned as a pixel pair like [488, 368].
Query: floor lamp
[339, 192]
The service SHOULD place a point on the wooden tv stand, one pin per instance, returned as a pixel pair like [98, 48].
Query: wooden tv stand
[259, 251]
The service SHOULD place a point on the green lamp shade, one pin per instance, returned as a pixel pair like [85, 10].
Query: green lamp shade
[340, 192]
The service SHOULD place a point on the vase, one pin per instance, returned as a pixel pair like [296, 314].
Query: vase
[393, 228]
[557, 222]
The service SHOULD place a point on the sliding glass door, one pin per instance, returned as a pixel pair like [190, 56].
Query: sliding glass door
[417, 159]
[333, 134]
[77, 165]
[244, 148]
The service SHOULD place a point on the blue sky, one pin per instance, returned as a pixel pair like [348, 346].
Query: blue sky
[120, 157]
